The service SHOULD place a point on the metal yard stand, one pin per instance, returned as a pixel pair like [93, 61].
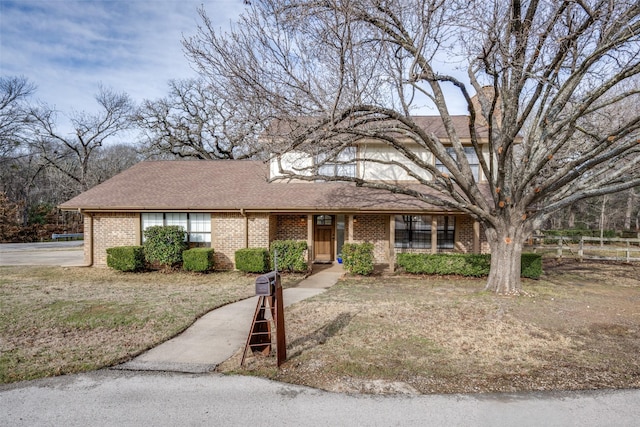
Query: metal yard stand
[269, 290]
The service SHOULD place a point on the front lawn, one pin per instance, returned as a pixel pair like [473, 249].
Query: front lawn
[576, 328]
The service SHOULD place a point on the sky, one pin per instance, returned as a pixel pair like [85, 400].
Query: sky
[68, 48]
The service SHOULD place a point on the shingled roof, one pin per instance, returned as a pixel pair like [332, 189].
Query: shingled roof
[432, 125]
[230, 185]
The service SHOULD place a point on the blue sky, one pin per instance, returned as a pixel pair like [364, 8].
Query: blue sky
[69, 47]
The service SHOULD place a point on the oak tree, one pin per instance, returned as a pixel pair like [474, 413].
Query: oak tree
[544, 73]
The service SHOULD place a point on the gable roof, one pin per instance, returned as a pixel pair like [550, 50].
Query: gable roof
[430, 124]
[231, 185]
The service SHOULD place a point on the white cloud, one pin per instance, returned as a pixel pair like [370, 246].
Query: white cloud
[69, 47]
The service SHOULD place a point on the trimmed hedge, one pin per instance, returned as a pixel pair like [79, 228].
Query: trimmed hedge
[126, 258]
[198, 259]
[358, 258]
[474, 265]
[164, 244]
[290, 255]
[252, 260]
[531, 265]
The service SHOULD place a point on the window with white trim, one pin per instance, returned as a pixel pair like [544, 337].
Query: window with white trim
[197, 225]
[342, 164]
[472, 158]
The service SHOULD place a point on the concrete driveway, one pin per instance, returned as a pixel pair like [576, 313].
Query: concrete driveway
[46, 253]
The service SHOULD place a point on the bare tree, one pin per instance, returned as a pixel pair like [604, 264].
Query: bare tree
[71, 154]
[195, 121]
[542, 71]
[13, 113]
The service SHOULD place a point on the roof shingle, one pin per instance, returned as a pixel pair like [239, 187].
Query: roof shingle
[230, 185]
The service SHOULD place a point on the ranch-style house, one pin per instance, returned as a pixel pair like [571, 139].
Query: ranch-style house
[234, 204]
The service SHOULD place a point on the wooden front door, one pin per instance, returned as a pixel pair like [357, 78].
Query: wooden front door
[323, 238]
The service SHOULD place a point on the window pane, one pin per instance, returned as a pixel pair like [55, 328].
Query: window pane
[151, 219]
[413, 231]
[327, 170]
[343, 164]
[346, 170]
[200, 223]
[176, 219]
[446, 232]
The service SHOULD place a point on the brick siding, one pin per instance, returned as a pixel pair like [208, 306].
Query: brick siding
[227, 236]
[111, 230]
[291, 227]
[373, 229]
[464, 234]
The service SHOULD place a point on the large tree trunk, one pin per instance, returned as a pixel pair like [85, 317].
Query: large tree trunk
[506, 249]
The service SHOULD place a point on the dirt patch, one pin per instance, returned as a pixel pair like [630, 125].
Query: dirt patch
[576, 328]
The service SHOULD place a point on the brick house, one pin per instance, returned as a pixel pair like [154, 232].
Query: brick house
[234, 204]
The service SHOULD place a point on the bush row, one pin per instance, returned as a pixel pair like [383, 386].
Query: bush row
[133, 258]
[474, 265]
[291, 257]
[576, 233]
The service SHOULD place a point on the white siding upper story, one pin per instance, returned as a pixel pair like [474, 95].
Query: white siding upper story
[371, 162]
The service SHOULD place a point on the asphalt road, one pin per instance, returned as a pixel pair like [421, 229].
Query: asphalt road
[46, 253]
[120, 398]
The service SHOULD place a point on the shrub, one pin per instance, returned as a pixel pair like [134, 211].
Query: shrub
[290, 255]
[252, 260]
[164, 244]
[474, 265]
[198, 259]
[126, 258]
[358, 258]
[531, 265]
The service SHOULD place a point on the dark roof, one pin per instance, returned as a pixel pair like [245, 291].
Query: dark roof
[230, 185]
[430, 124]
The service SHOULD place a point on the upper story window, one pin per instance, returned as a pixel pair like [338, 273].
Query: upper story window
[343, 164]
[472, 158]
[197, 225]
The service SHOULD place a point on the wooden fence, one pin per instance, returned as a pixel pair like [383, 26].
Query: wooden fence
[613, 249]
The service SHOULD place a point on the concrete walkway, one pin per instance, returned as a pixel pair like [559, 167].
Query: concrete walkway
[216, 336]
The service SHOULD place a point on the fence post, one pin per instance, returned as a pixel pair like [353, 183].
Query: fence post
[628, 250]
[581, 249]
[559, 251]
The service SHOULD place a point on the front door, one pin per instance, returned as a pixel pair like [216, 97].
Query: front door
[323, 238]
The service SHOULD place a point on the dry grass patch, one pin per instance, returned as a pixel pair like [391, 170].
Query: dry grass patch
[57, 320]
[577, 328]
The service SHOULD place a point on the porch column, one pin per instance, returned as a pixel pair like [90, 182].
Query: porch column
[434, 234]
[310, 253]
[350, 234]
[391, 254]
[476, 237]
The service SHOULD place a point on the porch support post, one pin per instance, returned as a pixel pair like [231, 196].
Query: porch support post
[476, 237]
[391, 255]
[434, 234]
[310, 252]
[350, 234]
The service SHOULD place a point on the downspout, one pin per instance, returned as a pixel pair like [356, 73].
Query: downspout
[246, 227]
